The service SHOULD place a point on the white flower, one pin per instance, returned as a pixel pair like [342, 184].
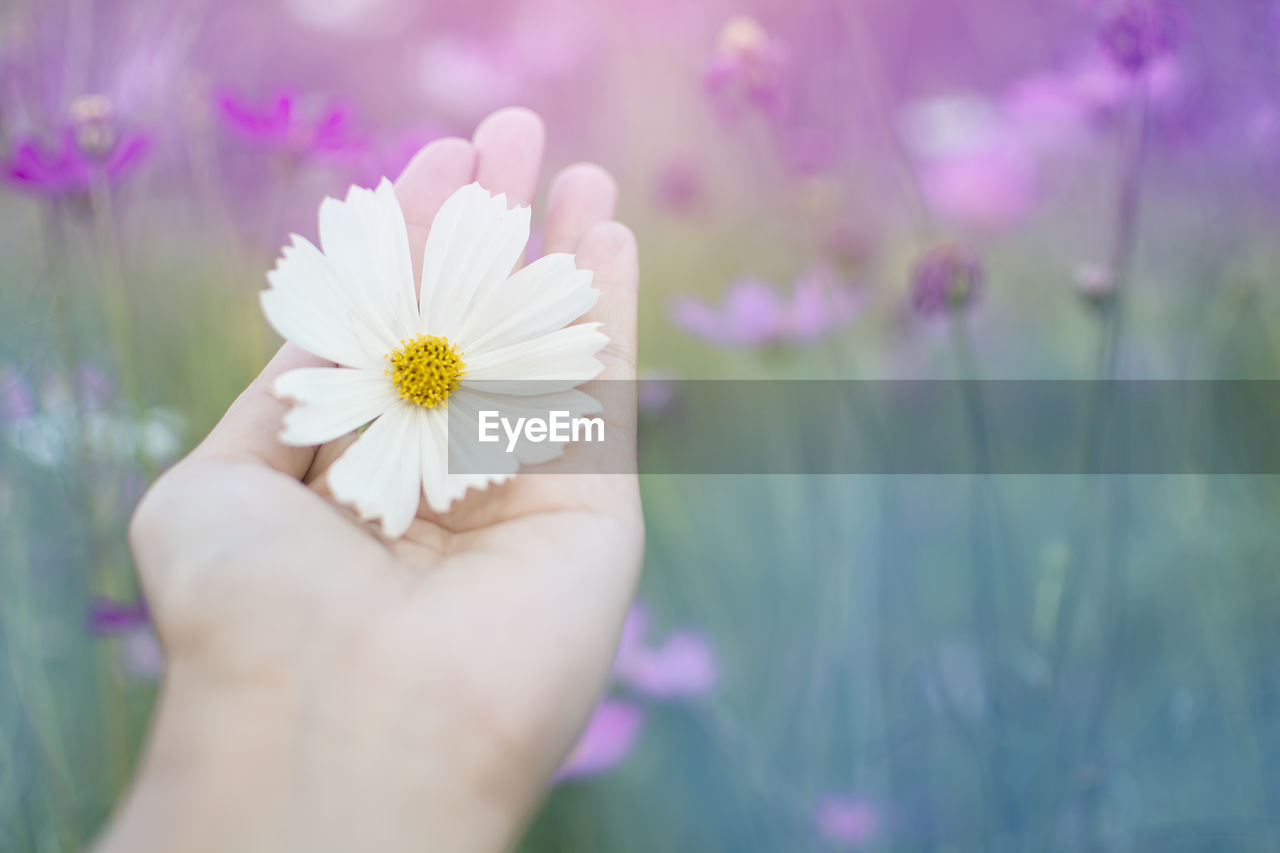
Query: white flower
[403, 360]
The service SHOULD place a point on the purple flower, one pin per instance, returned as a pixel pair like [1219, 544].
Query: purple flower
[656, 393]
[680, 666]
[131, 623]
[1138, 32]
[948, 277]
[607, 741]
[108, 618]
[749, 71]
[991, 187]
[89, 151]
[17, 400]
[754, 314]
[289, 126]
[846, 821]
[679, 187]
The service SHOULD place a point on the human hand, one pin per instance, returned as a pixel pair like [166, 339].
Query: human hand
[332, 690]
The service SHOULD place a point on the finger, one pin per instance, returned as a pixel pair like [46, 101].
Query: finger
[508, 148]
[609, 251]
[434, 174]
[249, 431]
[581, 196]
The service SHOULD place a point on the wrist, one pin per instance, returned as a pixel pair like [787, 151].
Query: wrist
[270, 766]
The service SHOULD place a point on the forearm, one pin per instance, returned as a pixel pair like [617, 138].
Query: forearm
[260, 770]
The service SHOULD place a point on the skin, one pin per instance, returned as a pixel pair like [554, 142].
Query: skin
[329, 690]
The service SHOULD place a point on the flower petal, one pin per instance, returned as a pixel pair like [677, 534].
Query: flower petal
[379, 474]
[439, 487]
[331, 402]
[472, 247]
[469, 402]
[557, 360]
[367, 244]
[607, 741]
[548, 294]
[308, 305]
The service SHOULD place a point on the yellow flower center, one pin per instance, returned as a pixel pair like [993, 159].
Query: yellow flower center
[426, 370]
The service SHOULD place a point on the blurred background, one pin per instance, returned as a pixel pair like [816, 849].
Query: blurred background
[870, 189]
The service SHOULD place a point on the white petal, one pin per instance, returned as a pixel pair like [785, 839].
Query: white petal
[575, 402]
[548, 294]
[308, 305]
[472, 247]
[439, 487]
[367, 243]
[557, 360]
[331, 402]
[379, 474]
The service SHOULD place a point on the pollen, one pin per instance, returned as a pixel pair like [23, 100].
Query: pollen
[426, 370]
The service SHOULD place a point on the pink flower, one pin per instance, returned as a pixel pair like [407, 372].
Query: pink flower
[679, 187]
[946, 278]
[69, 167]
[749, 71]
[991, 187]
[1138, 32]
[17, 400]
[680, 666]
[848, 822]
[754, 314]
[607, 741]
[287, 125]
[141, 654]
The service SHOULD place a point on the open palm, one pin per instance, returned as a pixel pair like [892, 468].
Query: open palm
[483, 636]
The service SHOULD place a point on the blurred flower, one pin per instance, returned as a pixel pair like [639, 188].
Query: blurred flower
[90, 150]
[976, 168]
[991, 187]
[405, 365]
[466, 77]
[946, 278]
[809, 151]
[108, 617]
[749, 70]
[131, 622]
[47, 434]
[655, 395]
[679, 187]
[754, 314]
[680, 666]
[17, 401]
[290, 126]
[607, 741]
[1096, 283]
[1138, 32]
[846, 821]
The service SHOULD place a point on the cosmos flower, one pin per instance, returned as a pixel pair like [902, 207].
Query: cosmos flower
[846, 822]
[754, 314]
[288, 125]
[680, 666]
[403, 361]
[749, 71]
[131, 623]
[948, 277]
[607, 741]
[89, 151]
[1138, 32]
